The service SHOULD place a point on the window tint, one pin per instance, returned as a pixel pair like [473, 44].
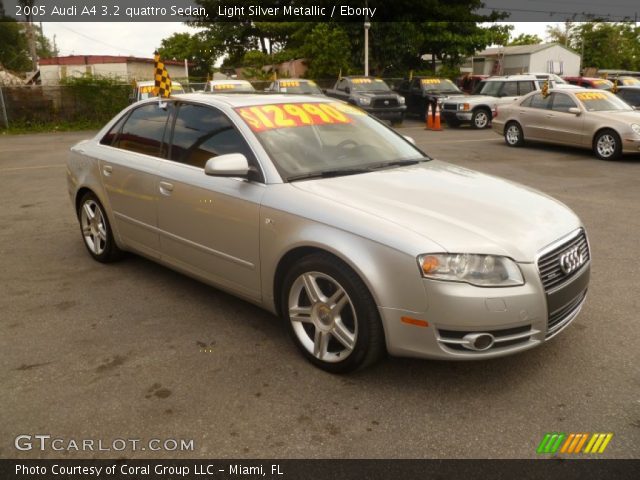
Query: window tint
[110, 137]
[144, 130]
[538, 101]
[203, 132]
[525, 87]
[631, 97]
[510, 89]
[562, 103]
[342, 84]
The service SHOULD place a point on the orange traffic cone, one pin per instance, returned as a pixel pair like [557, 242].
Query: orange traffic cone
[436, 119]
[429, 116]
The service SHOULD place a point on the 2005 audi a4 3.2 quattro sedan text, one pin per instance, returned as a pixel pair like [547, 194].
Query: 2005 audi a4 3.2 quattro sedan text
[323, 215]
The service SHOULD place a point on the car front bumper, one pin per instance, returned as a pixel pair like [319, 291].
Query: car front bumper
[394, 112]
[518, 318]
[631, 144]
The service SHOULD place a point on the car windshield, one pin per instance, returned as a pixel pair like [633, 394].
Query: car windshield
[232, 87]
[439, 85]
[602, 102]
[306, 140]
[299, 86]
[602, 83]
[488, 88]
[369, 85]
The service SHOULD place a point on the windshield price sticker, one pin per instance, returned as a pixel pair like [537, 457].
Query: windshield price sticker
[591, 96]
[289, 83]
[224, 86]
[431, 81]
[288, 115]
[357, 81]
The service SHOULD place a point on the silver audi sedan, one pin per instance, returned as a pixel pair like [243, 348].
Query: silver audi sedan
[321, 214]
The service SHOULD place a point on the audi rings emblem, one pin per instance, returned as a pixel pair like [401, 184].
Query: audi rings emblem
[571, 260]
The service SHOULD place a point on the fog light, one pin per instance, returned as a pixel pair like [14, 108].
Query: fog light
[478, 341]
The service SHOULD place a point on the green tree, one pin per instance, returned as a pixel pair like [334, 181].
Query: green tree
[201, 51]
[14, 50]
[607, 44]
[327, 50]
[525, 39]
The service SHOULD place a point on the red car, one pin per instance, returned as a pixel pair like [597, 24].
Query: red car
[590, 82]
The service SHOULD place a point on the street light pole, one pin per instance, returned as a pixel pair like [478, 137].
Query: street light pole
[367, 25]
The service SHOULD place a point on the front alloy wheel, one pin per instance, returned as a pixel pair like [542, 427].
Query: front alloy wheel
[331, 315]
[480, 119]
[607, 145]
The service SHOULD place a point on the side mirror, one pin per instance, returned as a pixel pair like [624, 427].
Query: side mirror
[347, 90]
[411, 140]
[229, 165]
[575, 110]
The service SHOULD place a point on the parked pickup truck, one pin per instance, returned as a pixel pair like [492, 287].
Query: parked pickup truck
[372, 95]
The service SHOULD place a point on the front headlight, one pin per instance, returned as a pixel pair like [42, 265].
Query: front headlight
[463, 106]
[400, 100]
[636, 128]
[479, 270]
[364, 100]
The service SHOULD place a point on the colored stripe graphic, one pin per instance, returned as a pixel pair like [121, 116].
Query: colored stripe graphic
[572, 443]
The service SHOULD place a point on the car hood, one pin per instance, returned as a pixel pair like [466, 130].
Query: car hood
[624, 117]
[459, 209]
[389, 94]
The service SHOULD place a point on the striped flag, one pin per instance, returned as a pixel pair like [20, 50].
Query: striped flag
[162, 87]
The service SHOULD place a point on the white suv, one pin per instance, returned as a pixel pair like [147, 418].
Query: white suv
[480, 107]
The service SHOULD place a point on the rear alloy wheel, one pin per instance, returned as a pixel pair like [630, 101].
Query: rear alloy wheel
[607, 145]
[331, 315]
[96, 230]
[480, 119]
[513, 135]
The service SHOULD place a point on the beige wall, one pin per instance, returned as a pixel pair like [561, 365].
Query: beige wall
[126, 72]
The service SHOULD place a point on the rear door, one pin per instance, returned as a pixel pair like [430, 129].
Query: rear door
[129, 167]
[533, 116]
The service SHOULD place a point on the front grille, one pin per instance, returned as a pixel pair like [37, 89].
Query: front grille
[564, 315]
[450, 106]
[551, 273]
[380, 102]
[503, 338]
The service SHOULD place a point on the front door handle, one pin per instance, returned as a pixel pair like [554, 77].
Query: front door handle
[107, 170]
[166, 188]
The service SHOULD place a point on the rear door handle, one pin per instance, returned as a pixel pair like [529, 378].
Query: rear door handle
[107, 170]
[166, 188]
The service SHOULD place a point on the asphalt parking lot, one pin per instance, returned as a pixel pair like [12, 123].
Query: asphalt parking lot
[135, 351]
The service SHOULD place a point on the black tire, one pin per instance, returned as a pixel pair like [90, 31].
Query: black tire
[513, 134]
[607, 145]
[96, 231]
[481, 118]
[358, 317]
[398, 121]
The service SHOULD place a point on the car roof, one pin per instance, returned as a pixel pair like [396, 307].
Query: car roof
[147, 83]
[235, 100]
[229, 82]
[511, 77]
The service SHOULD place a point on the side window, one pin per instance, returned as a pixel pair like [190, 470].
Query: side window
[415, 83]
[144, 130]
[509, 89]
[525, 87]
[562, 103]
[631, 97]
[203, 132]
[110, 137]
[538, 101]
[526, 102]
[342, 84]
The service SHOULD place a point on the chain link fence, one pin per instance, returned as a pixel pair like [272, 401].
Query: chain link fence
[77, 106]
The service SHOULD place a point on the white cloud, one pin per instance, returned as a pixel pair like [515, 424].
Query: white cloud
[111, 38]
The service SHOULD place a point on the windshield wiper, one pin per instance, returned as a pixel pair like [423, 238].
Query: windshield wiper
[398, 163]
[338, 172]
